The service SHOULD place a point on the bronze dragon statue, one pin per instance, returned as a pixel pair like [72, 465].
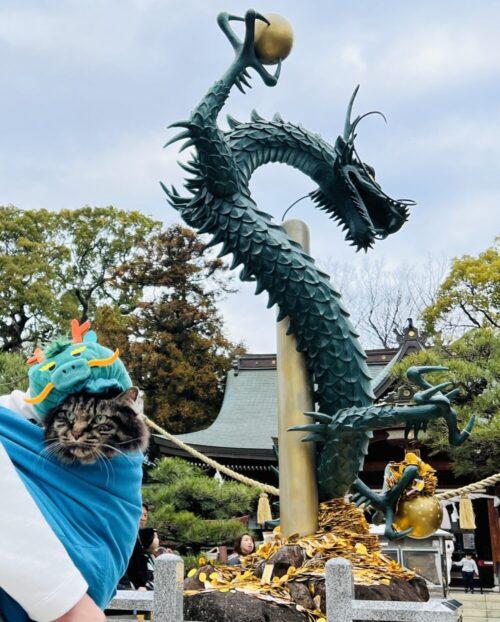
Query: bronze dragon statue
[220, 204]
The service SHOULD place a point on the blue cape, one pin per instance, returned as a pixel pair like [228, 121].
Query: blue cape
[94, 509]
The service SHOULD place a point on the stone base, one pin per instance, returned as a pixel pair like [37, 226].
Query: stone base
[230, 606]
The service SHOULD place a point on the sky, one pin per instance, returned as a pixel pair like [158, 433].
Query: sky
[89, 87]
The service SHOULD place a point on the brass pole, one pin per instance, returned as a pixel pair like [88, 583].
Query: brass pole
[298, 488]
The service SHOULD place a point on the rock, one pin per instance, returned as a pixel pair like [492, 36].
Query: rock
[286, 556]
[414, 590]
[301, 594]
[231, 606]
[194, 583]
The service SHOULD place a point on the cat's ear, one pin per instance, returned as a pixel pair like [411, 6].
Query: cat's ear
[130, 394]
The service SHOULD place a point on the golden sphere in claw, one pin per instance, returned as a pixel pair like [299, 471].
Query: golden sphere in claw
[274, 41]
[421, 512]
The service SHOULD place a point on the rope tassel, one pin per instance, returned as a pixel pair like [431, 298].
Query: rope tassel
[263, 509]
[467, 518]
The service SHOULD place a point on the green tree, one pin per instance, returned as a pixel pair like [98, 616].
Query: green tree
[174, 345]
[194, 509]
[100, 240]
[474, 366]
[13, 372]
[469, 297]
[60, 265]
[30, 257]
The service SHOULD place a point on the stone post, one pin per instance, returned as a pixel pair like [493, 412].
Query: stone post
[169, 589]
[298, 488]
[339, 590]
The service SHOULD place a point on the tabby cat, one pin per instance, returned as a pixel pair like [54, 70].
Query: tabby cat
[88, 427]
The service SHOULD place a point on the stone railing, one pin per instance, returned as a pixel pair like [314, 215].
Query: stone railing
[166, 602]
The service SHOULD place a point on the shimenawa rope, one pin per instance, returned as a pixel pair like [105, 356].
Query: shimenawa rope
[449, 494]
[215, 465]
[488, 481]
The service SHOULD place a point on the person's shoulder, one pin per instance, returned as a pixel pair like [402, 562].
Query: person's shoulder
[16, 403]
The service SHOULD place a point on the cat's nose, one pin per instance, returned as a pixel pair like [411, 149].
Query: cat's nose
[77, 434]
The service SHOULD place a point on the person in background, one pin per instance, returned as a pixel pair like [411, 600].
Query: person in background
[150, 542]
[469, 569]
[136, 573]
[244, 545]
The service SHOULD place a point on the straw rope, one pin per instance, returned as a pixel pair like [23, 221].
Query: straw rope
[272, 490]
[489, 481]
[215, 465]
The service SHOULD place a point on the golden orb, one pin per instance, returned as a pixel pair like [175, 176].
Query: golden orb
[273, 42]
[421, 512]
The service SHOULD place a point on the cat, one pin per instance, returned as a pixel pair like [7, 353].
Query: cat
[86, 427]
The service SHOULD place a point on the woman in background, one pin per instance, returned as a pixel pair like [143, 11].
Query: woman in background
[244, 545]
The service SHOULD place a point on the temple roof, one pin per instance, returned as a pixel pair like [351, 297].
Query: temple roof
[248, 421]
[248, 415]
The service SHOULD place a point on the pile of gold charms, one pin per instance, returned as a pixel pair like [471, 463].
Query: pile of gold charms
[342, 532]
[426, 483]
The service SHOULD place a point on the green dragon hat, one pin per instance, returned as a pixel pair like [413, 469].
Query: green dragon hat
[67, 367]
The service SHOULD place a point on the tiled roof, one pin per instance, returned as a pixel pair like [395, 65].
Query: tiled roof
[248, 416]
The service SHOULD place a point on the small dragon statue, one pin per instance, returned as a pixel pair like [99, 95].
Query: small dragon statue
[220, 204]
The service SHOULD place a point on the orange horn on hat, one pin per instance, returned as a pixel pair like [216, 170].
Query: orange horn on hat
[37, 357]
[78, 330]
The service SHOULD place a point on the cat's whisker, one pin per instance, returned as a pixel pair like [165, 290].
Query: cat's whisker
[130, 440]
[52, 448]
[50, 451]
[118, 451]
[106, 462]
[102, 464]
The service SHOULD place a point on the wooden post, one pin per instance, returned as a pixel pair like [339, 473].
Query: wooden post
[298, 488]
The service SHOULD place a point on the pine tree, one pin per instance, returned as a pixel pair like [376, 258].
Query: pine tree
[193, 509]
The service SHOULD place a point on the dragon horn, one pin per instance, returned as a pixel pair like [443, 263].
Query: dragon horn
[347, 125]
[37, 357]
[78, 330]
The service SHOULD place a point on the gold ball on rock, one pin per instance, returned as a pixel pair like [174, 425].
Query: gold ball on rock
[421, 512]
[273, 42]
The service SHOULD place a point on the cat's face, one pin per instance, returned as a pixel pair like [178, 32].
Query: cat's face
[88, 427]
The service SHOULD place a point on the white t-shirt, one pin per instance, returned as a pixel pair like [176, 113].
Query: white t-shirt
[468, 565]
[46, 583]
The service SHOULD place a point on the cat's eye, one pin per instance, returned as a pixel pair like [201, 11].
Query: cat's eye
[47, 366]
[78, 351]
[69, 416]
[100, 419]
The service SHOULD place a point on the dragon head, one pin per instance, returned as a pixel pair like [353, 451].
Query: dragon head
[351, 195]
[70, 366]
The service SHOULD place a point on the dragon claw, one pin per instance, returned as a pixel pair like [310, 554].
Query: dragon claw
[414, 374]
[453, 393]
[431, 392]
[439, 402]
[262, 18]
[245, 50]
[392, 534]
